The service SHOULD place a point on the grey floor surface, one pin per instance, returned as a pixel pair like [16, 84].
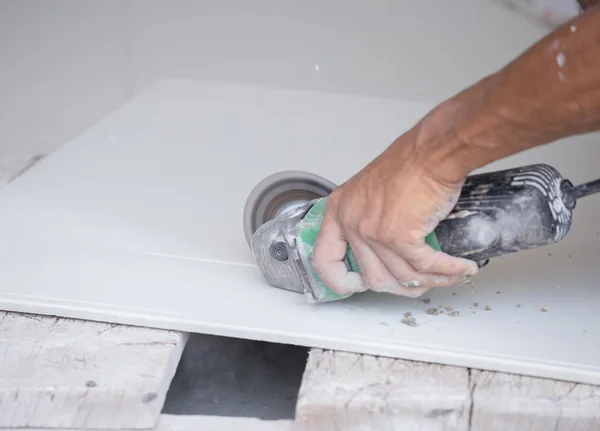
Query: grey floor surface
[235, 377]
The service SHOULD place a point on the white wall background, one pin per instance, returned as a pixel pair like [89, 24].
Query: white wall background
[64, 64]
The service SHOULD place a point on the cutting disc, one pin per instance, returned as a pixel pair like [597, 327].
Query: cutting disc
[280, 192]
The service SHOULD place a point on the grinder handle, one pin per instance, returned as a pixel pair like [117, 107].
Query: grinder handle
[505, 212]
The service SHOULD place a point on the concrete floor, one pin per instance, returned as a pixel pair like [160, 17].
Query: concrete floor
[237, 378]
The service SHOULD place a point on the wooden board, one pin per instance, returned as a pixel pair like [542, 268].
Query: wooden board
[139, 221]
[63, 373]
[352, 392]
[359, 392]
[205, 423]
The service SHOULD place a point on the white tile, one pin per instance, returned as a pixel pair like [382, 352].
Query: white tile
[139, 221]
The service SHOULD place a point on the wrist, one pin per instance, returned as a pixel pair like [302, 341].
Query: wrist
[470, 130]
[440, 146]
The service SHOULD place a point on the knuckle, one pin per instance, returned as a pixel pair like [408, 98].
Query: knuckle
[425, 262]
[366, 230]
[410, 236]
[398, 235]
[345, 219]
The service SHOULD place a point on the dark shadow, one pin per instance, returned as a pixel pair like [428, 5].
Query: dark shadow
[236, 377]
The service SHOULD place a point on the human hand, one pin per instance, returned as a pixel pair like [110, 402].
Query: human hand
[384, 213]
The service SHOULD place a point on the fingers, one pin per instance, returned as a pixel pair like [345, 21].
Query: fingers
[375, 273]
[327, 259]
[426, 259]
[411, 281]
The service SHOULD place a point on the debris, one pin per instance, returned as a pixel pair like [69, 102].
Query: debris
[543, 310]
[497, 293]
[476, 304]
[449, 308]
[383, 324]
[518, 305]
[410, 321]
[427, 300]
[407, 314]
[454, 313]
[488, 308]
[433, 311]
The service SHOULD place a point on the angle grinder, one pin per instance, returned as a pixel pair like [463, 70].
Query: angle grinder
[497, 213]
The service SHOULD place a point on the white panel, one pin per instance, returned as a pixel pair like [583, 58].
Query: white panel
[417, 50]
[139, 221]
[62, 68]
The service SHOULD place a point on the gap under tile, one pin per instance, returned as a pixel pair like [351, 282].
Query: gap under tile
[233, 377]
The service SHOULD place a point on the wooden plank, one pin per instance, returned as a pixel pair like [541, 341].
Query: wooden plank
[219, 423]
[356, 392]
[64, 373]
[207, 423]
[359, 392]
[512, 402]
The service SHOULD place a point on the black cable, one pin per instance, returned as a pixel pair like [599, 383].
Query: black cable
[586, 189]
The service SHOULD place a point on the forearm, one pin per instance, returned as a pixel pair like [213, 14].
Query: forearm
[549, 92]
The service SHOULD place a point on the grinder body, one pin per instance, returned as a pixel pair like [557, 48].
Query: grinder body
[497, 213]
[507, 211]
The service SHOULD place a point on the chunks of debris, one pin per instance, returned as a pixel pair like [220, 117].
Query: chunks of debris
[454, 314]
[488, 308]
[433, 311]
[410, 321]
[427, 300]
[407, 314]
[543, 310]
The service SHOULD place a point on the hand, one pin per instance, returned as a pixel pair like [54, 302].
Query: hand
[384, 213]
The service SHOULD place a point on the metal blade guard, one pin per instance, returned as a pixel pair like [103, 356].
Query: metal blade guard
[277, 220]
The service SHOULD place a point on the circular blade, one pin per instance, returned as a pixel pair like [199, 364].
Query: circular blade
[279, 192]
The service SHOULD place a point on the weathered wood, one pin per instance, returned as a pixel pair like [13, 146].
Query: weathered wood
[512, 402]
[64, 373]
[359, 392]
[219, 423]
[207, 423]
